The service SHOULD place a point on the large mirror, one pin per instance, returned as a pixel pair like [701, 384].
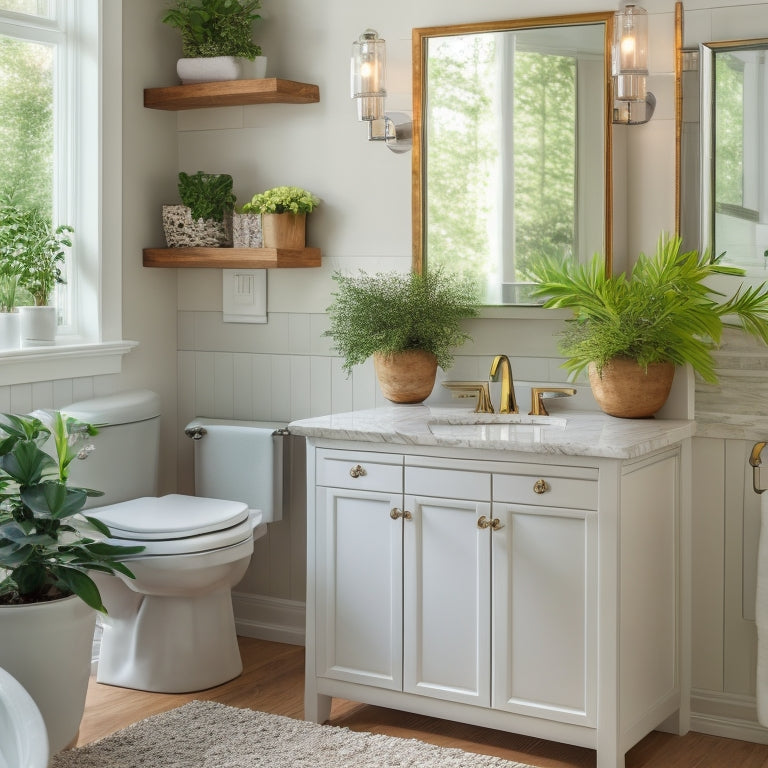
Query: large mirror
[734, 135]
[512, 147]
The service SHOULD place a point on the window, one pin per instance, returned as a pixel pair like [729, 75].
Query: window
[60, 137]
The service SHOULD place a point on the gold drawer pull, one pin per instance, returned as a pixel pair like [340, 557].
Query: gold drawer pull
[396, 514]
[483, 522]
[540, 486]
[357, 471]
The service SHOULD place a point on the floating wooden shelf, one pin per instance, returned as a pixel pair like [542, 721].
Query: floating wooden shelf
[232, 258]
[229, 93]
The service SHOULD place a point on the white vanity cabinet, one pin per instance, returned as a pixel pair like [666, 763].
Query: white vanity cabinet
[535, 594]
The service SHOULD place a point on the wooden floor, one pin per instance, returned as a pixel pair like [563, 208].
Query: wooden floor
[272, 681]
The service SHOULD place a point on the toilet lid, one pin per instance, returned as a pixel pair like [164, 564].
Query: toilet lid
[169, 517]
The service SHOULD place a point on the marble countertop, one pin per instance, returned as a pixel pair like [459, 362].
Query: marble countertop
[574, 433]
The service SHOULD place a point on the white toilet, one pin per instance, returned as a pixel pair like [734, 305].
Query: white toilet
[171, 629]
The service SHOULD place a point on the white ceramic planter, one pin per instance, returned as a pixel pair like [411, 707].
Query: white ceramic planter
[23, 737]
[38, 326]
[10, 330]
[217, 68]
[47, 648]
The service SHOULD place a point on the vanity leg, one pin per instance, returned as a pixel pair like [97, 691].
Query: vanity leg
[317, 707]
[609, 759]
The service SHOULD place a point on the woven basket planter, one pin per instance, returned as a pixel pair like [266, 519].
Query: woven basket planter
[182, 231]
[246, 230]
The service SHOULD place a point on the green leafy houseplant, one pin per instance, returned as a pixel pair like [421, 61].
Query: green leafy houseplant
[662, 312]
[391, 312]
[207, 195]
[47, 546]
[215, 27]
[33, 250]
[282, 200]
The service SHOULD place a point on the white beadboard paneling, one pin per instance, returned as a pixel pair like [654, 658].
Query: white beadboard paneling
[320, 395]
[224, 385]
[364, 386]
[21, 398]
[242, 368]
[186, 410]
[205, 394]
[82, 389]
[199, 290]
[299, 334]
[62, 393]
[261, 386]
[42, 394]
[300, 387]
[185, 330]
[281, 387]
[341, 387]
[320, 344]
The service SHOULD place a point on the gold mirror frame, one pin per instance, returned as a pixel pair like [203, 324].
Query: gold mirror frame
[419, 38]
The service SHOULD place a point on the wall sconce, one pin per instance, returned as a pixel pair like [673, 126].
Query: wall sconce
[369, 58]
[633, 104]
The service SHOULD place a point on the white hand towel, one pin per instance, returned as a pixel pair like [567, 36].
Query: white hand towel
[761, 614]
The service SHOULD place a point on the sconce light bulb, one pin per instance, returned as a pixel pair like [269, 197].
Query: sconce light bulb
[628, 46]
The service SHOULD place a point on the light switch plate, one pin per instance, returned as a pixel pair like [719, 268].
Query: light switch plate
[244, 298]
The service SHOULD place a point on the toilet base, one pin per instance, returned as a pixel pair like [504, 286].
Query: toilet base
[192, 642]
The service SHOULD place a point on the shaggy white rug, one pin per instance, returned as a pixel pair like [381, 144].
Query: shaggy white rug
[204, 734]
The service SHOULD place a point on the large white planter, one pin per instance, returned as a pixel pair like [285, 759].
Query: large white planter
[47, 648]
[216, 68]
[10, 330]
[38, 326]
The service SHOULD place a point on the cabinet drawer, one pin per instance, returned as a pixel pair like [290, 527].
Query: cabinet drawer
[448, 483]
[360, 470]
[545, 490]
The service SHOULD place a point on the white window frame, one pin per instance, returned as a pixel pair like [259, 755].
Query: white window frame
[94, 204]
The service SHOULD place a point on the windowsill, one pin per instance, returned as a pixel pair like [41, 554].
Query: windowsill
[25, 366]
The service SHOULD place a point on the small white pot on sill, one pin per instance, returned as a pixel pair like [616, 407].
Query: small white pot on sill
[38, 326]
[217, 68]
[10, 330]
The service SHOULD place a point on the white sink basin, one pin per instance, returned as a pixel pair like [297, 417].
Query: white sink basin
[494, 426]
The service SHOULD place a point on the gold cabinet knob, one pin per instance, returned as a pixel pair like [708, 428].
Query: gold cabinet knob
[483, 522]
[396, 514]
[496, 524]
[540, 486]
[357, 471]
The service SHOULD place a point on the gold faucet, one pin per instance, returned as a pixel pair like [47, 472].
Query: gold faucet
[538, 394]
[508, 403]
[477, 389]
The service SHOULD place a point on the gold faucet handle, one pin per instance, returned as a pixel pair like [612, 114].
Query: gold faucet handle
[477, 389]
[538, 394]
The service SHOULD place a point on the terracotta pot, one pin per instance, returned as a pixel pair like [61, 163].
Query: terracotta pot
[406, 377]
[284, 230]
[627, 390]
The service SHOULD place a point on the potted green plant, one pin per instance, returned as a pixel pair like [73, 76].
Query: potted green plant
[217, 39]
[630, 331]
[283, 215]
[410, 323]
[32, 258]
[47, 548]
[204, 218]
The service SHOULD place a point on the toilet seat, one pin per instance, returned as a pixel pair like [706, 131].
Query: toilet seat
[177, 524]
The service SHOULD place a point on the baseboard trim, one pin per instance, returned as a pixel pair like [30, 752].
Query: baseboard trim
[269, 618]
[728, 715]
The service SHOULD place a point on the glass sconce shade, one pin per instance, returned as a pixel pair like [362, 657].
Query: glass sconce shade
[630, 52]
[367, 72]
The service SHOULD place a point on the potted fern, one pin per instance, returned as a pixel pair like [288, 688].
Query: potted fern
[204, 218]
[47, 549]
[283, 213]
[410, 323]
[217, 40]
[630, 331]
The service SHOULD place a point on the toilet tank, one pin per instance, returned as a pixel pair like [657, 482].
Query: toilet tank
[241, 461]
[124, 463]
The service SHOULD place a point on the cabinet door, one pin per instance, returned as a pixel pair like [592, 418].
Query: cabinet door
[544, 595]
[446, 633]
[359, 587]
